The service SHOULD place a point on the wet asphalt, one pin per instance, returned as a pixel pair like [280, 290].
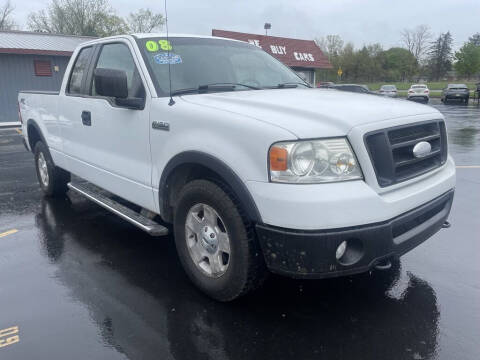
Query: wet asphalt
[79, 283]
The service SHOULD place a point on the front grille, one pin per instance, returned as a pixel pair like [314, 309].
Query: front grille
[391, 151]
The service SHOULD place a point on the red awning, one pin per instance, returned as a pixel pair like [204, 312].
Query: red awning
[291, 52]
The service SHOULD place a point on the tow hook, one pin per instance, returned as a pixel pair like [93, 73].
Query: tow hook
[383, 265]
[446, 225]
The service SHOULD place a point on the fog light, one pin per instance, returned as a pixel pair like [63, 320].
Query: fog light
[341, 250]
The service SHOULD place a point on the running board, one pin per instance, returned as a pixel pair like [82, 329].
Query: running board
[133, 217]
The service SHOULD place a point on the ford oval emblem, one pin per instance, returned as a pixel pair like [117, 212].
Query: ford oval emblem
[422, 149]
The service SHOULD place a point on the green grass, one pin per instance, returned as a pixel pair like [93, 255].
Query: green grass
[438, 85]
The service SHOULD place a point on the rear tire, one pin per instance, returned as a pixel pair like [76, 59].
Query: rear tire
[52, 179]
[205, 219]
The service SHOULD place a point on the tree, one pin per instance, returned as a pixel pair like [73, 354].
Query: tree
[399, 64]
[346, 61]
[145, 21]
[78, 17]
[440, 56]
[334, 45]
[417, 41]
[6, 22]
[331, 45]
[468, 60]
[475, 39]
[377, 54]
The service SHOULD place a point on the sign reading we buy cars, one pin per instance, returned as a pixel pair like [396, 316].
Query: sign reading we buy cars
[291, 52]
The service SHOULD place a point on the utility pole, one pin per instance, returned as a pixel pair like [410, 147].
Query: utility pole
[267, 27]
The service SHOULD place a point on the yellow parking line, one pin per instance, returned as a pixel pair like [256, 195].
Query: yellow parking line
[9, 232]
[9, 336]
[18, 131]
[468, 166]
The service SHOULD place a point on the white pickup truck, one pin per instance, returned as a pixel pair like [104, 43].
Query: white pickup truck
[255, 170]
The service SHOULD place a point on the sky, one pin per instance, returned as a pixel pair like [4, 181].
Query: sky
[361, 21]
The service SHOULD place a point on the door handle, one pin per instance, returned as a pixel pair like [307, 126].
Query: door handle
[86, 118]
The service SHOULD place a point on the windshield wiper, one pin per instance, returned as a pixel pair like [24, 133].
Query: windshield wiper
[235, 85]
[212, 87]
[288, 85]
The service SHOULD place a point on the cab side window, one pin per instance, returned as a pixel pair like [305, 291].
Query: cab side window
[78, 72]
[117, 56]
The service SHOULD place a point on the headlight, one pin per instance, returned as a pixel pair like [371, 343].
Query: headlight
[313, 161]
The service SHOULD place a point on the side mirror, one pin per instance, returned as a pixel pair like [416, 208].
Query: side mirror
[111, 83]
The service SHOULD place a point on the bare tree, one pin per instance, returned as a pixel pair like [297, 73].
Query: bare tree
[145, 21]
[332, 45]
[78, 17]
[408, 39]
[6, 21]
[417, 41]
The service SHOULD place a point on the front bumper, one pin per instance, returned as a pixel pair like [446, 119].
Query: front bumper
[347, 203]
[312, 254]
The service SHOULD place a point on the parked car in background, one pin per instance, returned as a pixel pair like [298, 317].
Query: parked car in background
[388, 90]
[418, 92]
[456, 92]
[353, 88]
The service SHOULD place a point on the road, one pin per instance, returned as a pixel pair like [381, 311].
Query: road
[79, 283]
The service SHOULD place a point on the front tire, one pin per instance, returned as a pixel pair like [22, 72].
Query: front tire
[53, 180]
[215, 242]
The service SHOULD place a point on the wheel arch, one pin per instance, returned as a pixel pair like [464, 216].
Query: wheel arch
[191, 165]
[34, 134]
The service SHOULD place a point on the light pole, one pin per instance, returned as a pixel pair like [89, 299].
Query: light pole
[267, 27]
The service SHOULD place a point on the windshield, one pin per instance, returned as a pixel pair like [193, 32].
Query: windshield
[388, 87]
[419, 87]
[457, 86]
[196, 63]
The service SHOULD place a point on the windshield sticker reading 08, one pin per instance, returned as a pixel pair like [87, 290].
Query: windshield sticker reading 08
[154, 46]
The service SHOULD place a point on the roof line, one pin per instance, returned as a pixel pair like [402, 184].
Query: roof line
[267, 36]
[45, 33]
[35, 52]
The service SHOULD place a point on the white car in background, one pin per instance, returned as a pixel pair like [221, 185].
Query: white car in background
[388, 90]
[418, 92]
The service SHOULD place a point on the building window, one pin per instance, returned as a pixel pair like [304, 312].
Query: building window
[42, 68]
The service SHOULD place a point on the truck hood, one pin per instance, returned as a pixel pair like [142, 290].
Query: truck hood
[311, 113]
